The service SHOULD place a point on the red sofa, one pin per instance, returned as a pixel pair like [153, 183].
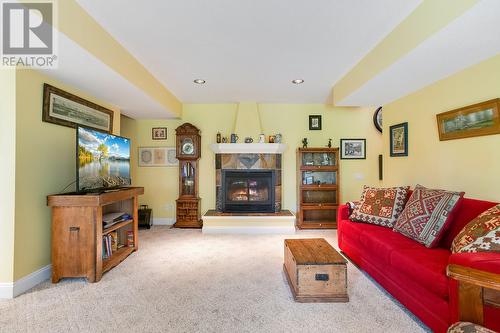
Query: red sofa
[413, 274]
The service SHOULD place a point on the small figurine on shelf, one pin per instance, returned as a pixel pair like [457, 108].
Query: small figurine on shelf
[329, 143]
[304, 143]
[219, 137]
[262, 138]
[277, 138]
[224, 139]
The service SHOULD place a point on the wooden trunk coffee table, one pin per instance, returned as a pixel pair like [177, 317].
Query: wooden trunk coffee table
[315, 271]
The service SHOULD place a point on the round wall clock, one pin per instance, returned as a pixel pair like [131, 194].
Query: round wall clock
[377, 119]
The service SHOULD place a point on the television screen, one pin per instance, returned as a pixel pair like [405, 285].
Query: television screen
[103, 160]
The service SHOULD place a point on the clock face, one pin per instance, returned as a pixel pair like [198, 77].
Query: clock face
[187, 147]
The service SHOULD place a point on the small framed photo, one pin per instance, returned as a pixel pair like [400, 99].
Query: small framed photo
[353, 149]
[398, 134]
[159, 133]
[309, 180]
[315, 123]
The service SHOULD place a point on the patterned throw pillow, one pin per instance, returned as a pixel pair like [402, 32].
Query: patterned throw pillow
[427, 214]
[380, 206]
[352, 205]
[467, 327]
[481, 234]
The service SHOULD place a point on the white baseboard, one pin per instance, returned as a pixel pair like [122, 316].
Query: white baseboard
[6, 290]
[163, 220]
[16, 288]
[288, 230]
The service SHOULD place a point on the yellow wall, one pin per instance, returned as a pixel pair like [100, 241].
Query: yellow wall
[290, 120]
[8, 172]
[471, 165]
[45, 164]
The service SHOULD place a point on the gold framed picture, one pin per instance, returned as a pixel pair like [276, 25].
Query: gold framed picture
[473, 120]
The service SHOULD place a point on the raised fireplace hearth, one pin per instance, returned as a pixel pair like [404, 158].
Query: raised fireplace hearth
[250, 191]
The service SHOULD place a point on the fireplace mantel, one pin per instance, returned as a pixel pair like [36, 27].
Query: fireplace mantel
[244, 148]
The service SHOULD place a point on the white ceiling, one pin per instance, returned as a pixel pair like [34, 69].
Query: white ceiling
[469, 39]
[249, 50]
[82, 70]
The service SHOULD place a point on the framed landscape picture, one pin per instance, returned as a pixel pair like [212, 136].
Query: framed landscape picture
[474, 120]
[353, 149]
[62, 108]
[157, 157]
[398, 135]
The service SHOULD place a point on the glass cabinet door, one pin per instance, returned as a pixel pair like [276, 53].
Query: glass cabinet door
[319, 178]
[319, 159]
[320, 215]
[187, 179]
[321, 197]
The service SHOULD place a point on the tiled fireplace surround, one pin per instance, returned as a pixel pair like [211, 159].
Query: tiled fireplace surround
[248, 161]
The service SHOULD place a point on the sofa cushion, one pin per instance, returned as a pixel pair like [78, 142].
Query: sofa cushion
[381, 242]
[427, 215]
[380, 206]
[481, 234]
[424, 266]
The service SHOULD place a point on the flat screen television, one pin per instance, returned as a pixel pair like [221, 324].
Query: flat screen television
[102, 161]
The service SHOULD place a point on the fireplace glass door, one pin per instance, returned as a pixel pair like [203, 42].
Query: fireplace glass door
[248, 191]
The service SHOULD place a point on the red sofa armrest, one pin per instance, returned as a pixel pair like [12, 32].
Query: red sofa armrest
[343, 213]
[342, 217]
[482, 261]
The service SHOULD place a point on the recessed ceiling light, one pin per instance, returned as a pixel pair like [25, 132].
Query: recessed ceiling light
[297, 81]
[199, 81]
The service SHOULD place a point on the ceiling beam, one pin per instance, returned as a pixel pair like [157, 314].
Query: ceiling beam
[78, 25]
[428, 18]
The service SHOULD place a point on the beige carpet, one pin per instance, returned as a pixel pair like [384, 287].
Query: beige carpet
[184, 281]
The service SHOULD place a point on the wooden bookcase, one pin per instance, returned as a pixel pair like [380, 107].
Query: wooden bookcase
[77, 231]
[318, 177]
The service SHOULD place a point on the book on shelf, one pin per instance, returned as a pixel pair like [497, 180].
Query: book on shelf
[107, 246]
[130, 238]
[114, 240]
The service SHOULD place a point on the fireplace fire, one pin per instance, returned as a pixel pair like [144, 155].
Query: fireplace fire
[248, 191]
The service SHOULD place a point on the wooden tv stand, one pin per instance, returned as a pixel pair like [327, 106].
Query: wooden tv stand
[77, 231]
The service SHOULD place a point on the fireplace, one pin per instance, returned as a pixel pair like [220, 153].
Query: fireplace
[248, 191]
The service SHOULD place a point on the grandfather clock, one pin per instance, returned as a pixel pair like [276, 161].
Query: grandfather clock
[188, 153]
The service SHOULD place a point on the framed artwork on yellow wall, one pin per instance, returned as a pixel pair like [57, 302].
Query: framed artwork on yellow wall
[159, 133]
[473, 120]
[63, 108]
[398, 135]
[157, 157]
